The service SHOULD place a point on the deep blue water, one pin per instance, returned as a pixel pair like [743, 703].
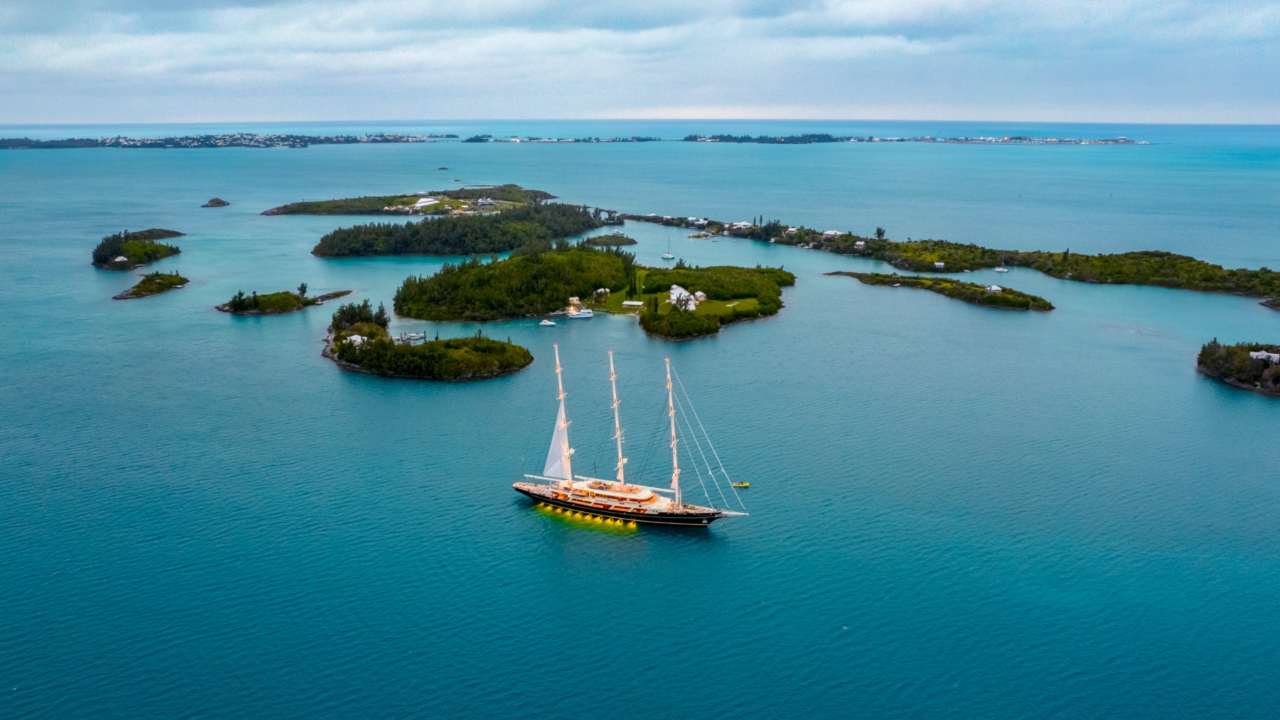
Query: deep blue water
[955, 512]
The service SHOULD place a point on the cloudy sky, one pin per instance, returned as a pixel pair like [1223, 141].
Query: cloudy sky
[78, 61]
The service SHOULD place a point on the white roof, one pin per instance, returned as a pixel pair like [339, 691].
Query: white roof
[994, 288]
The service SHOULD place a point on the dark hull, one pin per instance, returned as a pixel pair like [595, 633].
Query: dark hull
[684, 519]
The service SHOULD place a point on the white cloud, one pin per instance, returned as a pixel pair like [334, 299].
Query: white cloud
[94, 61]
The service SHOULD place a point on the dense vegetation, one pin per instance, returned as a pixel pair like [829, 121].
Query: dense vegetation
[470, 358]
[1146, 267]
[1149, 267]
[534, 281]
[972, 293]
[153, 284]
[376, 204]
[351, 315]
[460, 234]
[721, 285]
[29, 144]
[1232, 364]
[276, 303]
[139, 248]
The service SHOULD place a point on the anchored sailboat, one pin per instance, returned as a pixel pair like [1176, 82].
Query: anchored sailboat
[614, 499]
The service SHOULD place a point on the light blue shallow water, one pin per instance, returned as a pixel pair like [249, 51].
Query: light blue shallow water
[956, 512]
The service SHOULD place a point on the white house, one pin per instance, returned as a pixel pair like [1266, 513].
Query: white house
[1264, 355]
[860, 245]
[121, 258]
[632, 303]
[486, 201]
[679, 295]
[831, 234]
[791, 231]
[700, 223]
[700, 296]
[939, 265]
[994, 288]
[356, 339]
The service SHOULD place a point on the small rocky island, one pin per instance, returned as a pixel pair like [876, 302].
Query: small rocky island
[153, 284]
[277, 303]
[610, 241]
[992, 296]
[358, 342]
[216, 202]
[1248, 366]
[127, 250]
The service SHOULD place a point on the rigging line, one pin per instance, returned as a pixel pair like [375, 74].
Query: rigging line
[710, 472]
[694, 462]
[709, 444]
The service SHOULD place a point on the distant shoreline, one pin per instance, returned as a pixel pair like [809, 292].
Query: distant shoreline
[257, 140]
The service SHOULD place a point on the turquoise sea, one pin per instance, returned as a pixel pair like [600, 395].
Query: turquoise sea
[955, 512]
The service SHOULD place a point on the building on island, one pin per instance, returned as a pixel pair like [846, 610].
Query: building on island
[860, 245]
[682, 298]
[1273, 358]
[994, 288]
[939, 266]
[792, 231]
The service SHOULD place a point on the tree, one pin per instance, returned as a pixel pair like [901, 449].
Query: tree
[302, 289]
[879, 233]
[380, 317]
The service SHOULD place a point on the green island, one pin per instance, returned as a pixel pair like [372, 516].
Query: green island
[539, 279]
[1145, 267]
[359, 342]
[993, 296]
[732, 294]
[460, 234]
[153, 284]
[127, 250]
[443, 202]
[277, 303]
[1248, 366]
[609, 241]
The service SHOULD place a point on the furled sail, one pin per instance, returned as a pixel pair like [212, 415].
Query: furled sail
[557, 457]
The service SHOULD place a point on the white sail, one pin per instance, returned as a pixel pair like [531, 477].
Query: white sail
[558, 456]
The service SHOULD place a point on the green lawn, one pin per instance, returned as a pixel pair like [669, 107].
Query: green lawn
[706, 307]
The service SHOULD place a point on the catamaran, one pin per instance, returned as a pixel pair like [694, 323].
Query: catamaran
[614, 500]
[667, 255]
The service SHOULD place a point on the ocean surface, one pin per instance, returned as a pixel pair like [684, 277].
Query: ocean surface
[955, 512]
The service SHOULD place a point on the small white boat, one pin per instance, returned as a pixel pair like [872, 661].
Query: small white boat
[578, 312]
[1002, 269]
[668, 256]
[546, 323]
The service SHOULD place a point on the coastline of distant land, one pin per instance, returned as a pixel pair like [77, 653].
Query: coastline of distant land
[242, 140]
[254, 140]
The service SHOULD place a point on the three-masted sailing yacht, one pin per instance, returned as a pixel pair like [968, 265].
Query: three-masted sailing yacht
[613, 499]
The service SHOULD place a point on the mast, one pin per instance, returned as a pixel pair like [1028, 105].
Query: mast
[675, 464]
[556, 461]
[617, 426]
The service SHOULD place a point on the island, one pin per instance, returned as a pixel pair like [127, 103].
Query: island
[127, 250]
[277, 303]
[216, 202]
[1248, 366]
[992, 296]
[358, 342]
[232, 140]
[682, 303]
[498, 232]
[153, 284]
[540, 279]
[1146, 267]
[610, 241]
[440, 202]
